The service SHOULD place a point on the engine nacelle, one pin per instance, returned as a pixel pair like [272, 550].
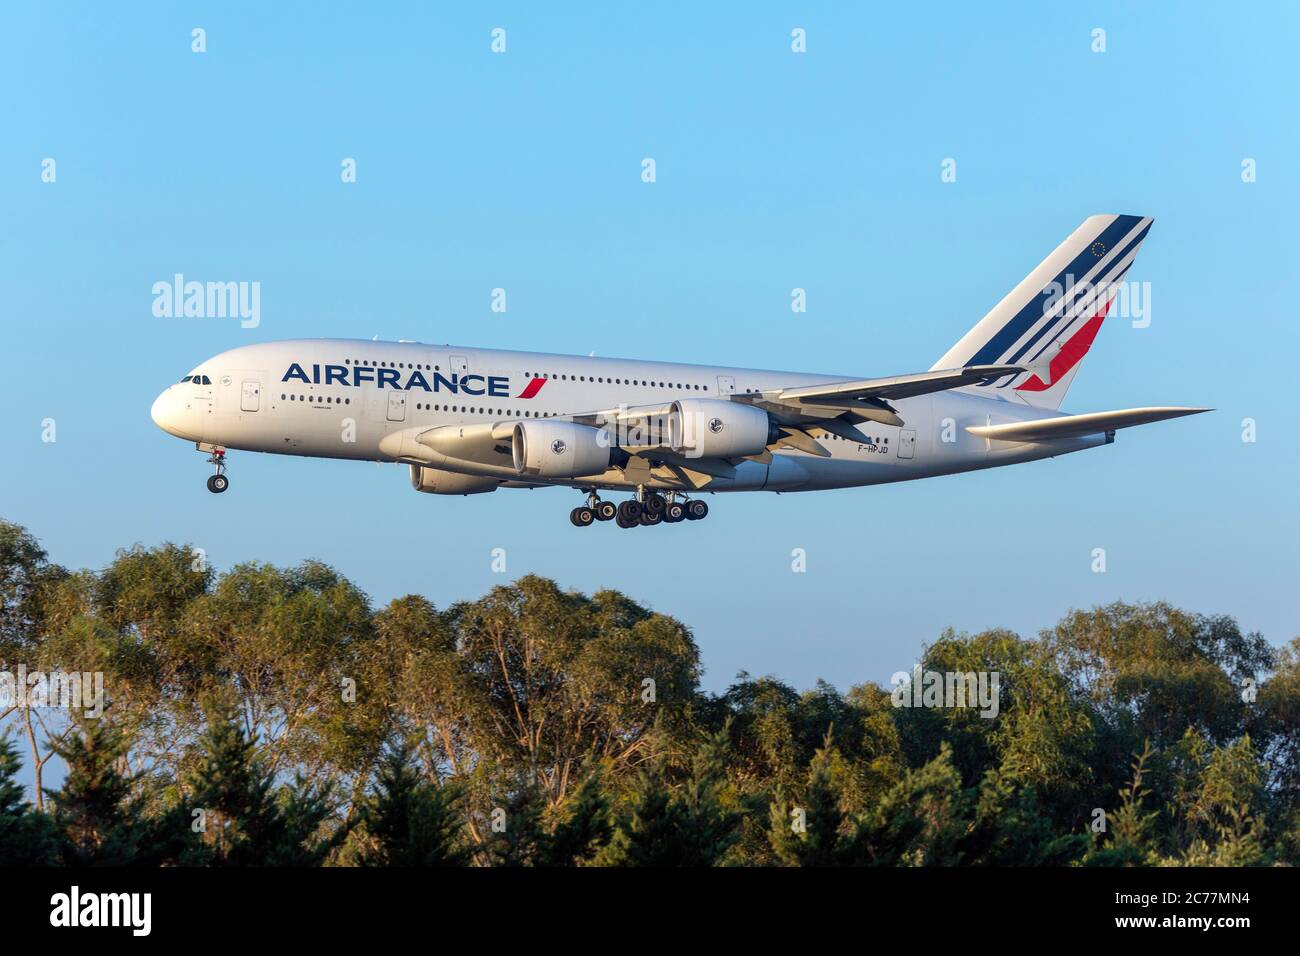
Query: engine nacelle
[556, 449]
[435, 481]
[712, 428]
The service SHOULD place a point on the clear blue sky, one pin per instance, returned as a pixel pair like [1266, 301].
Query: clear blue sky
[775, 170]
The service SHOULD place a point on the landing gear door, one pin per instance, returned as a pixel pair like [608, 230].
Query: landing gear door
[250, 396]
[906, 443]
[726, 385]
[397, 406]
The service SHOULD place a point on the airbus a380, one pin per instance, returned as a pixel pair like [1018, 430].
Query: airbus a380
[474, 420]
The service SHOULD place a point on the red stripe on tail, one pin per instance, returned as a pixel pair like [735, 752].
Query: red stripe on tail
[1073, 350]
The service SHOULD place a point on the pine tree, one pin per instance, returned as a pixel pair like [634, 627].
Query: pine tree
[98, 816]
[407, 821]
[918, 822]
[581, 827]
[26, 837]
[694, 826]
[247, 820]
[812, 838]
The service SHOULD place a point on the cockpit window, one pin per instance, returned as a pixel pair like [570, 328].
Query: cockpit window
[186, 379]
[206, 380]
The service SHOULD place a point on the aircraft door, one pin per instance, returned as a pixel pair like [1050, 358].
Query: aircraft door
[726, 385]
[397, 406]
[250, 396]
[458, 363]
[906, 443]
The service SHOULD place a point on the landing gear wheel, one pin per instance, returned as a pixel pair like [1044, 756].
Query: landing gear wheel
[654, 504]
[696, 509]
[651, 518]
[582, 517]
[674, 511]
[626, 522]
[218, 483]
[630, 510]
[605, 510]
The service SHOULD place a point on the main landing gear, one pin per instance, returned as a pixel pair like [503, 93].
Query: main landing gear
[647, 508]
[218, 482]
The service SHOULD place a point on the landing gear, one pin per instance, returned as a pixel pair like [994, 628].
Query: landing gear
[218, 482]
[647, 508]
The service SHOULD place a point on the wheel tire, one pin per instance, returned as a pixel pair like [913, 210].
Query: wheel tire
[651, 518]
[605, 510]
[623, 522]
[654, 504]
[696, 510]
[573, 517]
[630, 510]
[674, 512]
[583, 517]
[218, 483]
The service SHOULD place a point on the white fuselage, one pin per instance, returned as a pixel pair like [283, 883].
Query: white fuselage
[363, 400]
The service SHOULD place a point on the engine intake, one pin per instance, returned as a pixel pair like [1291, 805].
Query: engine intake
[557, 449]
[711, 428]
[435, 481]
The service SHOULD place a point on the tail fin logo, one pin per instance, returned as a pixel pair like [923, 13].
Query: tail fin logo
[1067, 356]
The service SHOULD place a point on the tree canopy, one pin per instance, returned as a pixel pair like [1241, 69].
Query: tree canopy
[274, 716]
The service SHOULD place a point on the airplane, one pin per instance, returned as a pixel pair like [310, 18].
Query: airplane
[469, 420]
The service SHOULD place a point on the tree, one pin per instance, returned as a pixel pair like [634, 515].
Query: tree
[246, 820]
[807, 832]
[98, 815]
[547, 681]
[694, 824]
[27, 581]
[1129, 828]
[920, 821]
[408, 821]
[26, 837]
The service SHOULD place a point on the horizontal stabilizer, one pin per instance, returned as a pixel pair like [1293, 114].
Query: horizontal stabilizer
[1068, 426]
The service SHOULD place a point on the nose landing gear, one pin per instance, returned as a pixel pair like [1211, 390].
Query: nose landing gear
[218, 482]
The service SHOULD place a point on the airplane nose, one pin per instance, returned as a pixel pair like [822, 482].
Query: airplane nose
[159, 411]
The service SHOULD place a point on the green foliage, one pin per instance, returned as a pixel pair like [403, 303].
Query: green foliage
[919, 821]
[247, 819]
[809, 832]
[26, 837]
[407, 820]
[98, 813]
[688, 824]
[541, 727]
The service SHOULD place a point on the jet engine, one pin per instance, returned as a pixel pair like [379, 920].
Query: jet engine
[435, 481]
[711, 428]
[558, 449]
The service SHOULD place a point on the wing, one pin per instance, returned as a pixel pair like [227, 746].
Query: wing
[900, 386]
